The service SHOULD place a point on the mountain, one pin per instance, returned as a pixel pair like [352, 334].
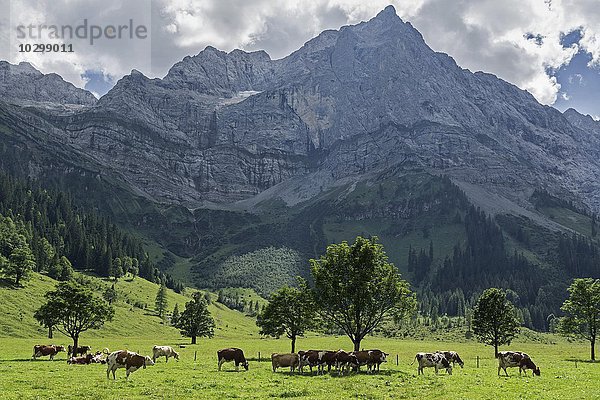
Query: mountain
[23, 83]
[234, 161]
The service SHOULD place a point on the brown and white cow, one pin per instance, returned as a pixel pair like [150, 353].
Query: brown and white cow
[164, 351]
[309, 358]
[232, 354]
[126, 359]
[83, 360]
[508, 359]
[452, 357]
[42, 350]
[436, 360]
[371, 358]
[81, 350]
[345, 361]
[279, 360]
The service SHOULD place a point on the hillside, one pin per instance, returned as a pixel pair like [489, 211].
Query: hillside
[134, 311]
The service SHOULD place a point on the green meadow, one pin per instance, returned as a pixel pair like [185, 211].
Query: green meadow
[196, 376]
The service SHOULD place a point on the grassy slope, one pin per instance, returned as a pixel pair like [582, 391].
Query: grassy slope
[17, 320]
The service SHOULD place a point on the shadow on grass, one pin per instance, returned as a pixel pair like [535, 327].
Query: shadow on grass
[9, 284]
[33, 360]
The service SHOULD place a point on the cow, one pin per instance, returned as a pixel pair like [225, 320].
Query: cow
[232, 354]
[291, 360]
[42, 350]
[126, 359]
[166, 351]
[87, 359]
[80, 351]
[436, 360]
[308, 358]
[345, 360]
[452, 357]
[98, 358]
[371, 358]
[508, 359]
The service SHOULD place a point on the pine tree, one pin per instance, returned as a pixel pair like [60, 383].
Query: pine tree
[175, 315]
[161, 301]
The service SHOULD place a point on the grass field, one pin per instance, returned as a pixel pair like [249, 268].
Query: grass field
[21, 378]
[139, 329]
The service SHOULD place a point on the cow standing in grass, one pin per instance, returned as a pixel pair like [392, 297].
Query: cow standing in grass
[435, 360]
[453, 357]
[291, 360]
[371, 358]
[232, 355]
[164, 351]
[126, 359]
[79, 351]
[508, 359]
[42, 350]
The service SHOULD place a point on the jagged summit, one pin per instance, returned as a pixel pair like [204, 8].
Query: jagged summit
[24, 83]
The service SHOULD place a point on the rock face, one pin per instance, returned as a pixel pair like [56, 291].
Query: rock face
[23, 83]
[223, 127]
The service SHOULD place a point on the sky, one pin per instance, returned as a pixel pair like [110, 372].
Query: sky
[548, 47]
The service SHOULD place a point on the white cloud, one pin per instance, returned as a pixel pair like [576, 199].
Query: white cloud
[487, 35]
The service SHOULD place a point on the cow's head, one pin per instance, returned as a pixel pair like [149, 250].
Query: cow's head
[383, 357]
[536, 371]
[245, 365]
[354, 363]
[176, 355]
[60, 348]
[148, 361]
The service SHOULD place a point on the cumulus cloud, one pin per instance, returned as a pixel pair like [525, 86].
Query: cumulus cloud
[520, 41]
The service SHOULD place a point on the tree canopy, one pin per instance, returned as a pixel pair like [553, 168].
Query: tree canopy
[355, 288]
[289, 312]
[73, 309]
[196, 321]
[494, 319]
[582, 311]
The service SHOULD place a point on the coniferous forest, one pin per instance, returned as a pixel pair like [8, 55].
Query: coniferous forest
[58, 236]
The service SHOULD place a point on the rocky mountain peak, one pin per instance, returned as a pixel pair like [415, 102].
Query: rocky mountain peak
[24, 83]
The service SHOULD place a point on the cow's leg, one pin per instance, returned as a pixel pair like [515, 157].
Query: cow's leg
[220, 363]
[167, 359]
[436, 369]
[505, 371]
[107, 373]
[237, 366]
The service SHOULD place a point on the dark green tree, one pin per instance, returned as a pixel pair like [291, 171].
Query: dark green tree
[495, 319]
[582, 311]
[355, 288]
[73, 309]
[175, 315]
[196, 321]
[289, 312]
[161, 302]
[110, 294]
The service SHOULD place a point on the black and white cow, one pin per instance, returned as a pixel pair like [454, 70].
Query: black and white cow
[452, 357]
[508, 359]
[435, 360]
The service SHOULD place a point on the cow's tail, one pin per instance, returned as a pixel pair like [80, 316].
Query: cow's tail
[415, 359]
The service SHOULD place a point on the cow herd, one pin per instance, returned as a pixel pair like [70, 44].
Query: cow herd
[342, 361]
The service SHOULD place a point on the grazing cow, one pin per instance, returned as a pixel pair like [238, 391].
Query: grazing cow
[371, 358]
[232, 354]
[436, 360]
[508, 359]
[345, 360]
[291, 360]
[42, 350]
[308, 358]
[452, 357]
[83, 360]
[126, 359]
[80, 351]
[166, 351]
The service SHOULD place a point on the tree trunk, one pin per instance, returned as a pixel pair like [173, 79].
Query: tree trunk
[75, 344]
[293, 344]
[593, 344]
[193, 339]
[356, 344]
[50, 332]
[496, 349]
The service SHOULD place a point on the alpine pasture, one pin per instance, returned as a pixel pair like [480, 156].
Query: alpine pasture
[138, 329]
